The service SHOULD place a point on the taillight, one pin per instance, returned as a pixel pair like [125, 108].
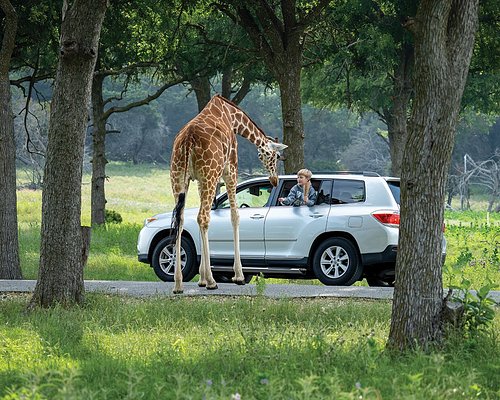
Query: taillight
[389, 218]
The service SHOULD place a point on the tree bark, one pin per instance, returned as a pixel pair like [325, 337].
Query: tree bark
[60, 277]
[9, 241]
[444, 37]
[291, 110]
[98, 195]
[397, 114]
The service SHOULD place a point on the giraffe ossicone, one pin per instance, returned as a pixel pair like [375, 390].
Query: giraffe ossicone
[205, 150]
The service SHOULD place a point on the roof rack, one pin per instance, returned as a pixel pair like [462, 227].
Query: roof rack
[364, 173]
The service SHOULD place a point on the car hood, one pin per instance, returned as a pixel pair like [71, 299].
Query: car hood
[164, 219]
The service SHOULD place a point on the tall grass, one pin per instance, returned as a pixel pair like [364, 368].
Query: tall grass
[248, 348]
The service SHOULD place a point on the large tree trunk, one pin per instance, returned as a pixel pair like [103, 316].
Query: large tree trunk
[201, 87]
[60, 278]
[444, 36]
[98, 196]
[397, 114]
[9, 241]
[291, 110]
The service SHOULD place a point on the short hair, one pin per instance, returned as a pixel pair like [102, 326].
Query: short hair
[305, 172]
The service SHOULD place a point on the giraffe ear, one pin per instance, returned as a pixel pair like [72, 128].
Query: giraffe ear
[276, 146]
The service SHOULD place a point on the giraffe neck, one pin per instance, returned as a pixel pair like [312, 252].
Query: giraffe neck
[243, 125]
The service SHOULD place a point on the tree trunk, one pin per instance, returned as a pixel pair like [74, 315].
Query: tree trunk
[60, 277]
[397, 115]
[98, 196]
[291, 109]
[278, 34]
[444, 36]
[9, 242]
[201, 87]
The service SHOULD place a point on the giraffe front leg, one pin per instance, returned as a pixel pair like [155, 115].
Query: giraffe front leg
[206, 278]
[238, 277]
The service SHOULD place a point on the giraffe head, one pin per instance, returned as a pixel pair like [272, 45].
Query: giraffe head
[269, 154]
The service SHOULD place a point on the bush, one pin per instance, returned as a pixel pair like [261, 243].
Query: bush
[113, 217]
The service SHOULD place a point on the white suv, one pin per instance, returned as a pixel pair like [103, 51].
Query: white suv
[350, 233]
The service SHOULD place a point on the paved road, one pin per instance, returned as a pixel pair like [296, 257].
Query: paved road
[147, 289]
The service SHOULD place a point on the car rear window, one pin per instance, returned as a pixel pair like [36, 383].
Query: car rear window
[348, 191]
[396, 190]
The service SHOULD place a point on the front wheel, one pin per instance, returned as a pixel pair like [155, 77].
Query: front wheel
[336, 262]
[163, 261]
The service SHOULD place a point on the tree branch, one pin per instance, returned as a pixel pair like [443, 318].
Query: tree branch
[142, 102]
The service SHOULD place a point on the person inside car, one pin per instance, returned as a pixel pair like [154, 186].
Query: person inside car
[302, 193]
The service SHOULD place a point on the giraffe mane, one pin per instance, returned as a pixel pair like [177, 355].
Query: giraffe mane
[251, 120]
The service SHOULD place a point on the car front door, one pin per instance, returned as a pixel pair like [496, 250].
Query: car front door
[252, 200]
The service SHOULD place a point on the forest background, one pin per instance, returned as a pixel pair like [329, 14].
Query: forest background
[158, 67]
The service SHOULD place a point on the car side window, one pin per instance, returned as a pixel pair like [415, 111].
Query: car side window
[321, 187]
[348, 191]
[324, 191]
[251, 196]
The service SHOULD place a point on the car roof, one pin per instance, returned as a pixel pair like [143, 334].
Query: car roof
[330, 175]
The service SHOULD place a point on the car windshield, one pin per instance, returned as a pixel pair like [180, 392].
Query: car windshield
[256, 195]
[395, 189]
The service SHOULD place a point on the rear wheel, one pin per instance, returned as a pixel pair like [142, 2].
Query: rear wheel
[163, 261]
[379, 282]
[336, 262]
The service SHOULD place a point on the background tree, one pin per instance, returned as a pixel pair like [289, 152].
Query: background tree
[9, 241]
[142, 32]
[367, 67]
[279, 34]
[60, 278]
[444, 38]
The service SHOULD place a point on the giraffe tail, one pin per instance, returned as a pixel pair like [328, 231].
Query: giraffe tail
[176, 216]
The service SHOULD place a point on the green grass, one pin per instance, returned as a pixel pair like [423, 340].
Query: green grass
[213, 348]
[196, 348]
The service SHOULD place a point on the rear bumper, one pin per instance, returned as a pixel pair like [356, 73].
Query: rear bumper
[388, 256]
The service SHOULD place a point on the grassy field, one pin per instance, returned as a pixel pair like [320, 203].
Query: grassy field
[139, 191]
[226, 348]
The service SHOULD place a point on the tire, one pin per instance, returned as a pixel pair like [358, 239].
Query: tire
[379, 282]
[163, 261]
[336, 262]
[224, 278]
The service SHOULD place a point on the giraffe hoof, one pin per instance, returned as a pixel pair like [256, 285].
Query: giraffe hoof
[239, 281]
[200, 284]
[212, 287]
[178, 291]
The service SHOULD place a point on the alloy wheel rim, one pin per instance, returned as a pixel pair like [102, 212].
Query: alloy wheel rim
[167, 259]
[334, 262]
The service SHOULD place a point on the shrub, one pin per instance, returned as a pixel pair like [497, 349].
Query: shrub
[113, 217]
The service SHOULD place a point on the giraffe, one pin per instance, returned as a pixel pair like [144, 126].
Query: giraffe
[205, 150]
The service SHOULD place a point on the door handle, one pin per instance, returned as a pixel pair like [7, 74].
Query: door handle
[316, 215]
[257, 216]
